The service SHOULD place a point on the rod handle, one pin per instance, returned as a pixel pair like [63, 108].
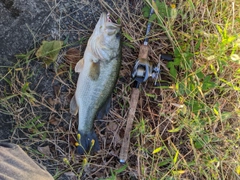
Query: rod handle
[126, 140]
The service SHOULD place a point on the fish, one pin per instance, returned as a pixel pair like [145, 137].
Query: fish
[98, 73]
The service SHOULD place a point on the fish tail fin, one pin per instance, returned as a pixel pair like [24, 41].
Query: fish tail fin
[88, 143]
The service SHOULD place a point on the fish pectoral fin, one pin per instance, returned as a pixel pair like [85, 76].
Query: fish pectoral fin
[73, 106]
[88, 143]
[94, 70]
[79, 65]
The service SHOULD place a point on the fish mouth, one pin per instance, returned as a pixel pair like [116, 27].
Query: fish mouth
[111, 27]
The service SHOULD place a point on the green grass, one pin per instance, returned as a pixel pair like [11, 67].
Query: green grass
[188, 130]
[203, 142]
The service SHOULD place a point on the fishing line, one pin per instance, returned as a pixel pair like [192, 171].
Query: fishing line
[148, 27]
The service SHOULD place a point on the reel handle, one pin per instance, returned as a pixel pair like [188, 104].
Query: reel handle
[166, 57]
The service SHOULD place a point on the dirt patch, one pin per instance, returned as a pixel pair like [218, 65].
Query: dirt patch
[9, 5]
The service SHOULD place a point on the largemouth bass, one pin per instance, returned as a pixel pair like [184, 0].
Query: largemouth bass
[99, 71]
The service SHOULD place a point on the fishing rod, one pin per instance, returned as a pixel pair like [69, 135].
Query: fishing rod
[142, 70]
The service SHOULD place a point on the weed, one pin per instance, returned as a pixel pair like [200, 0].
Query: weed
[204, 113]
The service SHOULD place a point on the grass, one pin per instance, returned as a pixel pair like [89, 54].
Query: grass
[188, 130]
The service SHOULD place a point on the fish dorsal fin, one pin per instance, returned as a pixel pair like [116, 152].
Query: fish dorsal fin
[73, 106]
[79, 65]
[94, 70]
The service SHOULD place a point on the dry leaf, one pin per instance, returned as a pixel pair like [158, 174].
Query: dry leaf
[57, 90]
[121, 133]
[72, 56]
[50, 101]
[49, 51]
[112, 126]
[70, 174]
[45, 150]
[117, 139]
[54, 121]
